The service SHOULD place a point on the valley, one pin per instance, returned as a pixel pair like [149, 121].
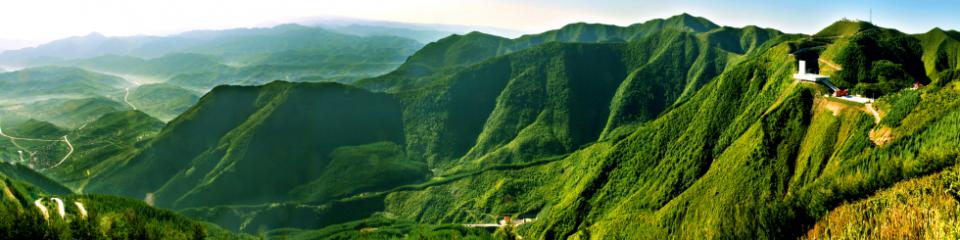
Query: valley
[672, 128]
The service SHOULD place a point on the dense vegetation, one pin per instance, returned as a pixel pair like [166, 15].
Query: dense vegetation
[672, 128]
[248, 145]
[87, 216]
[73, 81]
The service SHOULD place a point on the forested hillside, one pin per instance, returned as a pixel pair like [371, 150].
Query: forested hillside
[671, 128]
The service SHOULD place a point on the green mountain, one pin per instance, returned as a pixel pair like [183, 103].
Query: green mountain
[86, 216]
[26, 175]
[163, 101]
[163, 67]
[869, 60]
[288, 52]
[314, 134]
[424, 35]
[231, 43]
[66, 112]
[461, 50]
[104, 144]
[49, 82]
[672, 128]
[940, 51]
[34, 143]
[511, 123]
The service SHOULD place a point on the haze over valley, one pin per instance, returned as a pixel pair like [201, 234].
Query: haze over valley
[691, 121]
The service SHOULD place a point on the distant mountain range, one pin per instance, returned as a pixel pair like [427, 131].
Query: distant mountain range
[670, 128]
[163, 76]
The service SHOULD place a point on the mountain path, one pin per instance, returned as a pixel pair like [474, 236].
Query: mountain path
[64, 139]
[126, 98]
[70, 146]
[876, 115]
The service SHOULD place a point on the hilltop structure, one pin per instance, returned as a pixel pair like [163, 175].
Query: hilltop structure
[803, 75]
[844, 94]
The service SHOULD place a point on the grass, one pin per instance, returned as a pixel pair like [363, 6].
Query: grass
[921, 208]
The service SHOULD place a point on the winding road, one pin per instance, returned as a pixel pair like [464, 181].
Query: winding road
[70, 146]
[13, 139]
[126, 98]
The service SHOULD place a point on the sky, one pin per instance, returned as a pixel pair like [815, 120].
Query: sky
[37, 21]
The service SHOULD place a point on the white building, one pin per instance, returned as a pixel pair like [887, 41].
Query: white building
[802, 74]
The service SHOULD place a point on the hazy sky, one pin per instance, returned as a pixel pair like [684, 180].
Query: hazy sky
[44, 20]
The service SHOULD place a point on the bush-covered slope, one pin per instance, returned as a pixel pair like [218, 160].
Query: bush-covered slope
[516, 110]
[751, 155]
[941, 51]
[66, 112]
[274, 139]
[47, 82]
[922, 208]
[103, 144]
[440, 57]
[686, 133]
[163, 101]
[86, 216]
[554, 98]
[34, 143]
[870, 60]
[24, 174]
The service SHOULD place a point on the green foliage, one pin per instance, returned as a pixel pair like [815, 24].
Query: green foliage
[104, 144]
[941, 51]
[46, 82]
[668, 129]
[443, 57]
[27, 175]
[898, 106]
[69, 112]
[297, 127]
[107, 217]
[356, 169]
[386, 228]
[880, 61]
[163, 101]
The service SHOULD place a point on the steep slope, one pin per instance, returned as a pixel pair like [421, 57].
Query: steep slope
[24, 174]
[438, 58]
[297, 131]
[679, 133]
[922, 208]
[29, 210]
[750, 143]
[103, 144]
[870, 60]
[513, 111]
[584, 32]
[554, 98]
[941, 50]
